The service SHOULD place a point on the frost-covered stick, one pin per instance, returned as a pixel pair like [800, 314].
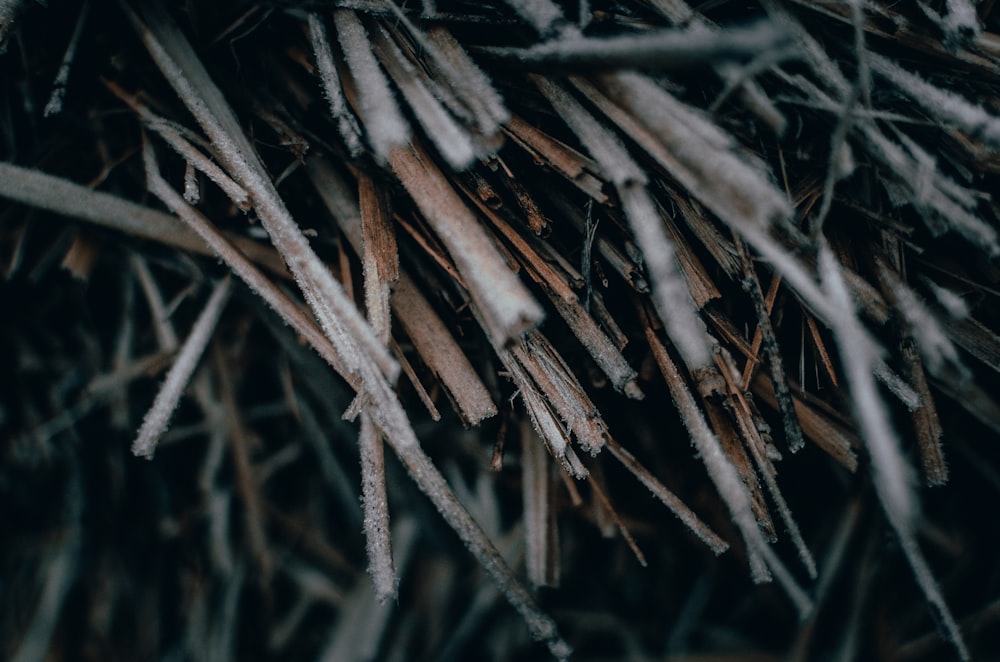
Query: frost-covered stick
[944, 105]
[654, 48]
[156, 420]
[468, 81]
[921, 330]
[725, 478]
[536, 491]
[361, 625]
[793, 431]
[765, 469]
[244, 269]
[380, 261]
[859, 354]
[386, 128]
[697, 153]
[347, 124]
[54, 106]
[376, 511]
[933, 340]
[452, 141]
[892, 476]
[108, 211]
[506, 305]
[668, 498]
[432, 340]
[339, 318]
[195, 158]
[381, 267]
[670, 290]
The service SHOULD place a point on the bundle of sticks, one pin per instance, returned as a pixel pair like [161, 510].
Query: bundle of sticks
[592, 272]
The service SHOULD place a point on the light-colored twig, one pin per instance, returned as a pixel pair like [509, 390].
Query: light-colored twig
[158, 417]
[384, 124]
[347, 124]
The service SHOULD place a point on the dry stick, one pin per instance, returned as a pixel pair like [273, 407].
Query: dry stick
[347, 124]
[548, 369]
[506, 305]
[64, 197]
[655, 48]
[600, 347]
[944, 105]
[575, 167]
[428, 333]
[244, 269]
[753, 357]
[891, 474]
[601, 495]
[338, 316]
[451, 140]
[669, 499]
[793, 432]
[431, 483]
[156, 420]
[381, 267]
[925, 419]
[467, 80]
[670, 292]
[386, 128]
[723, 474]
[172, 136]
[740, 410]
[540, 533]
